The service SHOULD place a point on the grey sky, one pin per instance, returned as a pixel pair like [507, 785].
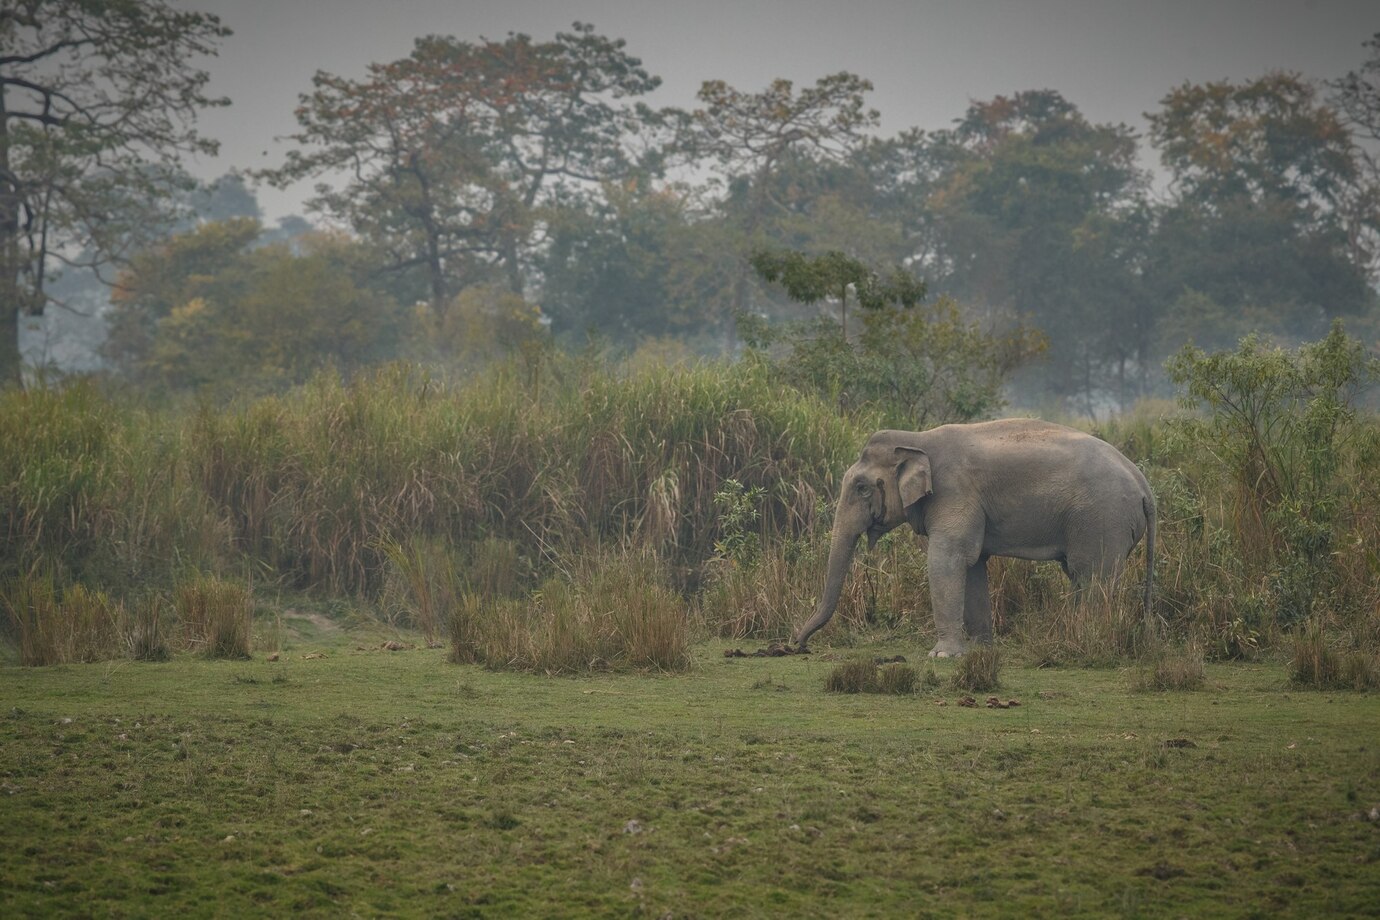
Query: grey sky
[1113, 59]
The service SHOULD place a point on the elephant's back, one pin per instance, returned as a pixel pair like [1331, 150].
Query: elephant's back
[1033, 448]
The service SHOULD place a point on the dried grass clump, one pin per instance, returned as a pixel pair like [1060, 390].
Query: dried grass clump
[1316, 665]
[77, 625]
[857, 675]
[146, 630]
[1173, 668]
[978, 670]
[215, 616]
[861, 675]
[1098, 625]
[617, 612]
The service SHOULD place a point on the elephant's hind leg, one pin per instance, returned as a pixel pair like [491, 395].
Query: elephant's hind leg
[977, 604]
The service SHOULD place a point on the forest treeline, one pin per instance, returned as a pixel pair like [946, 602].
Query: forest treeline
[501, 197]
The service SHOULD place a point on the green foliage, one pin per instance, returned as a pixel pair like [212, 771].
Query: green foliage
[1273, 214]
[739, 543]
[1035, 215]
[909, 369]
[1282, 425]
[100, 99]
[456, 151]
[810, 279]
[211, 310]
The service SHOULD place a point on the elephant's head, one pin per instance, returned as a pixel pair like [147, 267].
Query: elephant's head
[877, 495]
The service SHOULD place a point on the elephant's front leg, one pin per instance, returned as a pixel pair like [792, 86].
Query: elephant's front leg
[948, 569]
[977, 604]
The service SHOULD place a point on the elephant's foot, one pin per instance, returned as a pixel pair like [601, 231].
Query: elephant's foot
[948, 650]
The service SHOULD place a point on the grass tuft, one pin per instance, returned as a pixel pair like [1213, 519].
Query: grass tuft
[82, 625]
[861, 675]
[216, 616]
[857, 675]
[1316, 665]
[899, 679]
[978, 671]
[1175, 668]
[146, 633]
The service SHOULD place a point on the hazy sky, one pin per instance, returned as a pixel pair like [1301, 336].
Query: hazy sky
[1113, 59]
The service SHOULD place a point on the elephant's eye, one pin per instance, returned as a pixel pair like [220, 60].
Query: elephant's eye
[863, 486]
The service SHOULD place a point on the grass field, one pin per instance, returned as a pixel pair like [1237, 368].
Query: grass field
[370, 781]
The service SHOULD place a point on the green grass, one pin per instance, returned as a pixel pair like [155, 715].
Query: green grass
[374, 781]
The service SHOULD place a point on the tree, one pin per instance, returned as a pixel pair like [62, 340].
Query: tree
[99, 103]
[1356, 97]
[212, 309]
[751, 138]
[912, 366]
[1269, 199]
[809, 280]
[448, 156]
[1035, 215]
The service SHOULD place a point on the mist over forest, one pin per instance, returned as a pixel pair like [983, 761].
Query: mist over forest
[483, 198]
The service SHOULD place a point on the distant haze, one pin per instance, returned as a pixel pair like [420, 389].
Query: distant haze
[928, 60]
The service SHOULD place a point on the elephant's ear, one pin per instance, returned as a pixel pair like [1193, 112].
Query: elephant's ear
[912, 474]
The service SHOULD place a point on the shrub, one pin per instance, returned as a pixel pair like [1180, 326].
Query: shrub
[215, 616]
[978, 670]
[1283, 428]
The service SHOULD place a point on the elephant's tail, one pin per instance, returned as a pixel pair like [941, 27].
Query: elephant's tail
[1148, 505]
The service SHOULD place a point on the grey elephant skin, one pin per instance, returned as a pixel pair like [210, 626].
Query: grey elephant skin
[1015, 487]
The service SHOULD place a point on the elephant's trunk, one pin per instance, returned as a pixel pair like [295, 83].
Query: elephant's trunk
[840, 556]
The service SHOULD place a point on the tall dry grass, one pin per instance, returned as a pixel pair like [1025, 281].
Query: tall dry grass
[617, 612]
[53, 625]
[215, 616]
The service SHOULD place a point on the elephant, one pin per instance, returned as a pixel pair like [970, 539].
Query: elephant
[1016, 487]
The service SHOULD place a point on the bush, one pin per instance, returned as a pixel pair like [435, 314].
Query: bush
[978, 671]
[215, 616]
[1284, 429]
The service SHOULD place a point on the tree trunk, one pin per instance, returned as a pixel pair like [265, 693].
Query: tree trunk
[11, 363]
[11, 295]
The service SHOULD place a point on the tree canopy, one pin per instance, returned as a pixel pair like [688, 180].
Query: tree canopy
[100, 103]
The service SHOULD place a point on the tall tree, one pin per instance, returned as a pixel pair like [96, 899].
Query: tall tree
[1032, 214]
[1356, 97]
[98, 101]
[1268, 197]
[749, 139]
[448, 156]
